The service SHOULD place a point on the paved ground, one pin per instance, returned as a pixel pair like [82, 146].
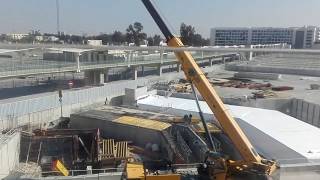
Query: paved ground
[300, 83]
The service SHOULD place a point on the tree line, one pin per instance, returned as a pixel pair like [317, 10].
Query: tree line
[133, 35]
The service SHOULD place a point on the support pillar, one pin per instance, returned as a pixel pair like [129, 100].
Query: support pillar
[93, 77]
[134, 73]
[210, 62]
[77, 56]
[251, 53]
[142, 70]
[223, 59]
[159, 70]
[106, 75]
[178, 67]
[89, 56]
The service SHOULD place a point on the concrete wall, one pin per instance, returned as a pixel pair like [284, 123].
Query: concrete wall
[306, 111]
[9, 153]
[38, 110]
[132, 95]
[263, 69]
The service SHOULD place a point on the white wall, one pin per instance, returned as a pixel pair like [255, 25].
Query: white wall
[9, 154]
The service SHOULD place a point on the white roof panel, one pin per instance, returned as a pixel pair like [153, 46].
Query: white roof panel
[276, 134]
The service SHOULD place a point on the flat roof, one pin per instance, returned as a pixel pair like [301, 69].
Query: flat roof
[73, 50]
[2, 51]
[275, 134]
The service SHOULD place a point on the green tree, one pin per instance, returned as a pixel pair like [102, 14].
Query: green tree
[187, 33]
[106, 38]
[190, 38]
[154, 41]
[118, 38]
[134, 34]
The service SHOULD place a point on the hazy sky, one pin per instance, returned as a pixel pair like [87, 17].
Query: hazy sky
[95, 16]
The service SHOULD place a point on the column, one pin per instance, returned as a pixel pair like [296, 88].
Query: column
[159, 71]
[142, 69]
[210, 62]
[251, 53]
[89, 56]
[178, 67]
[223, 59]
[106, 75]
[134, 73]
[77, 56]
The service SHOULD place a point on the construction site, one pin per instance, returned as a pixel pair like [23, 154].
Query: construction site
[245, 114]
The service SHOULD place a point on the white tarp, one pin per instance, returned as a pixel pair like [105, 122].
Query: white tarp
[274, 134]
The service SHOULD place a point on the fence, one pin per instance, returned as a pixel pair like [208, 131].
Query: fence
[39, 111]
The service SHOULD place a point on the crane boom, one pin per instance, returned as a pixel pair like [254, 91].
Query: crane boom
[195, 75]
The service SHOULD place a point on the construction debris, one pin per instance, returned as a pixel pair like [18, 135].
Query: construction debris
[314, 86]
[264, 94]
[282, 88]
[257, 75]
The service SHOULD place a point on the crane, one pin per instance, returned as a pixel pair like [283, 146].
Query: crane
[219, 168]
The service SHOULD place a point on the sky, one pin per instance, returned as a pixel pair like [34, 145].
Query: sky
[105, 16]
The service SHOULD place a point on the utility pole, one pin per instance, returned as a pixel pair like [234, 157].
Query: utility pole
[58, 17]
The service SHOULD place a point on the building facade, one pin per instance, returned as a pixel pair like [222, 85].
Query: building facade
[303, 37]
[232, 36]
[17, 36]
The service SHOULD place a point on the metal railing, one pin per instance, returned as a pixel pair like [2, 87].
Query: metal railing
[73, 173]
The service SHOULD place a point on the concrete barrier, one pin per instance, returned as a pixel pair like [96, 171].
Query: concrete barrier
[9, 153]
[305, 111]
[257, 75]
[265, 69]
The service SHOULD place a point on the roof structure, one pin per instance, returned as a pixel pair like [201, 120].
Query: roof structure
[274, 134]
[2, 51]
[72, 50]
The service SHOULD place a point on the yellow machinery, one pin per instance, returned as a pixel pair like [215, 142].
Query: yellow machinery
[59, 166]
[219, 168]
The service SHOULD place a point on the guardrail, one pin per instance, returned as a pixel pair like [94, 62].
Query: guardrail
[48, 67]
[73, 173]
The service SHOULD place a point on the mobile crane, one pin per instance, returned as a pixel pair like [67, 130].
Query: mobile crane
[216, 166]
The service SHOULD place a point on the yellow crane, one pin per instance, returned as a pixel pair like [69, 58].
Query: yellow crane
[220, 168]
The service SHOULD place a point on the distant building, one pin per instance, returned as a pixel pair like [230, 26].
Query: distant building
[303, 37]
[39, 38]
[17, 36]
[229, 36]
[52, 38]
[318, 35]
[94, 42]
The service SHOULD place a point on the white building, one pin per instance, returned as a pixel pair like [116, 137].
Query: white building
[94, 42]
[318, 35]
[39, 38]
[229, 36]
[17, 36]
[303, 37]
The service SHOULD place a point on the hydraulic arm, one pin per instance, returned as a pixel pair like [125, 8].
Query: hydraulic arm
[251, 159]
